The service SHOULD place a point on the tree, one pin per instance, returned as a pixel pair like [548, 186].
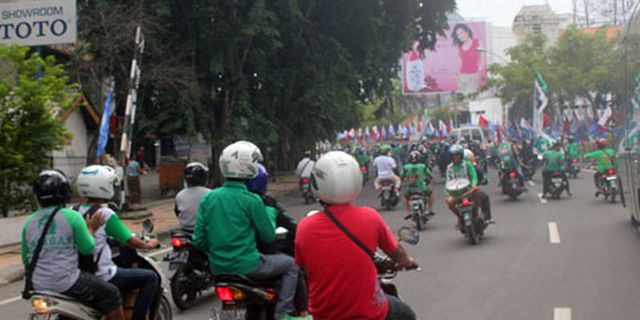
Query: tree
[34, 92]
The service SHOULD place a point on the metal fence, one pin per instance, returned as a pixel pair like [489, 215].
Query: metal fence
[71, 166]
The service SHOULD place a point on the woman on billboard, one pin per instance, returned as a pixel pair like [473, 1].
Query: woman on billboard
[469, 76]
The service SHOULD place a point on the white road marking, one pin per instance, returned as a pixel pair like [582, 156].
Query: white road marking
[531, 183]
[542, 200]
[554, 235]
[14, 299]
[562, 314]
[154, 254]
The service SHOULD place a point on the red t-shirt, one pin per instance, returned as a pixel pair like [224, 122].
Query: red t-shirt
[470, 58]
[343, 282]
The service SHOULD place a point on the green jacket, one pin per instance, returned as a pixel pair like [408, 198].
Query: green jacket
[230, 220]
[363, 159]
[573, 150]
[555, 160]
[605, 159]
[418, 170]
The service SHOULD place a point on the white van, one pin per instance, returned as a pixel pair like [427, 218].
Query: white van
[471, 133]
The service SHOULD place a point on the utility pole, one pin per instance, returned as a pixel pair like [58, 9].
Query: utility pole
[130, 110]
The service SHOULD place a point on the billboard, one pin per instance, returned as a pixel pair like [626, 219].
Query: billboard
[35, 23]
[457, 64]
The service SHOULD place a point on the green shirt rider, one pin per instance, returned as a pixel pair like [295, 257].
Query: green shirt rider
[416, 177]
[460, 169]
[605, 158]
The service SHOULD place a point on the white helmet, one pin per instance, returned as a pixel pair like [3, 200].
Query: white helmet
[240, 160]
[98, 182]
[468, 155]
[336, 178]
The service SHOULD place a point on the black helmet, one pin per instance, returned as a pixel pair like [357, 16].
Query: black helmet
[52, 187]
[196, 174]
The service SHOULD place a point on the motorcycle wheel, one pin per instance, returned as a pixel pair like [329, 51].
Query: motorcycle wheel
[183, 296]
[612, 196]
[474, 236]
[164, 310]
[513, 196]
[419, 222]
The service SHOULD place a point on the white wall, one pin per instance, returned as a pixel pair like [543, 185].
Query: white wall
[502, 38]
[77, 147]
[490, 107]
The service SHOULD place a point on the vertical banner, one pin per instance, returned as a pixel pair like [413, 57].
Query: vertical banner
[104, 123]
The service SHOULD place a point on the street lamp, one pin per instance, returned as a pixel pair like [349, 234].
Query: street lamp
[494, 55]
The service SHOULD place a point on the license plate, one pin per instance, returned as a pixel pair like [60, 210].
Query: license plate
[38, 316]
[556, 180]
[179, 257]
[611, 178]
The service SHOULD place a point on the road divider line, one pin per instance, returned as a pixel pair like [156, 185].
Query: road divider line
[562, 314]
[14, 299]
[542, 200]
[554, 235]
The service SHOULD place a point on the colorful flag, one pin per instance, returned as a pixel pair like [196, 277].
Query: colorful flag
[482, 121]
[443, 129]
[104, 124]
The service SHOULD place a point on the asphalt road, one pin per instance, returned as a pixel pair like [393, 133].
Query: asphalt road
[574, 258]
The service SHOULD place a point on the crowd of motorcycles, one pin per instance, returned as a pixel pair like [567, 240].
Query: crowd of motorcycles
[242, 298]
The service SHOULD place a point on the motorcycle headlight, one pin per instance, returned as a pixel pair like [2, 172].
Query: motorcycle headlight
[42, 305]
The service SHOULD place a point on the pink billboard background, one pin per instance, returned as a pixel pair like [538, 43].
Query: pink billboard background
[458, 63]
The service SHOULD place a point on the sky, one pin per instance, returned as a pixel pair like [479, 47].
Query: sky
[502, 12]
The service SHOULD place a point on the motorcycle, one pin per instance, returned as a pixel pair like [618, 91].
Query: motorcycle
[483, 169]
[191, 274]
[512, 185]
[418, 211]
[305, 187]
[51, 306]
[365, 174]
[609, 185]
[241, 297]
[473, 225]
[244, 298]
[556, 184]
[389, 197]
[573, 168]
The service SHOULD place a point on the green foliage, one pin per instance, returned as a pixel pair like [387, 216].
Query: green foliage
[578, 65]
[33, 93]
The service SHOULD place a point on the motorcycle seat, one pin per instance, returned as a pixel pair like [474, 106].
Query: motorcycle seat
[181, 234]
[241, 279]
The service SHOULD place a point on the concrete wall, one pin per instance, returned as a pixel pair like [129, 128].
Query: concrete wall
[72, 158]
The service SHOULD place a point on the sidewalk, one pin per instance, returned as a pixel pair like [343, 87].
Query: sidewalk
[161, 213]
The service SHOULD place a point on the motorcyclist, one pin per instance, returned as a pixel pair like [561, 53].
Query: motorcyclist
[385, 167]
[416, 177]
[461, 169]
[280, 218]
[303, 170]
[509, 160]
[68, 236]
[553, 161]
[188, 199]
[605, 158]
[231, 220]
[99, 185]
[485, 202]
[343, 280]
[363, 158]
[572, 150]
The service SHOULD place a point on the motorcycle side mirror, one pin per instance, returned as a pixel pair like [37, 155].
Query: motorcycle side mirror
[147, 226]
[281, 233]
[409, 235]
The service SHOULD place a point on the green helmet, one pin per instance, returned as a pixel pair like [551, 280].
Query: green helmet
[385, 148]
[414, 156]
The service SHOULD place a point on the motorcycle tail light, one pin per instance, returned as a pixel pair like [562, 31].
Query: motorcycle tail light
[465, 202]
[40, 306]
[271, 294]
[574, 160]
[363, 168]
[512, 175]
[612, 172]
[305, 180]
[176, 243]
[557, 173]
